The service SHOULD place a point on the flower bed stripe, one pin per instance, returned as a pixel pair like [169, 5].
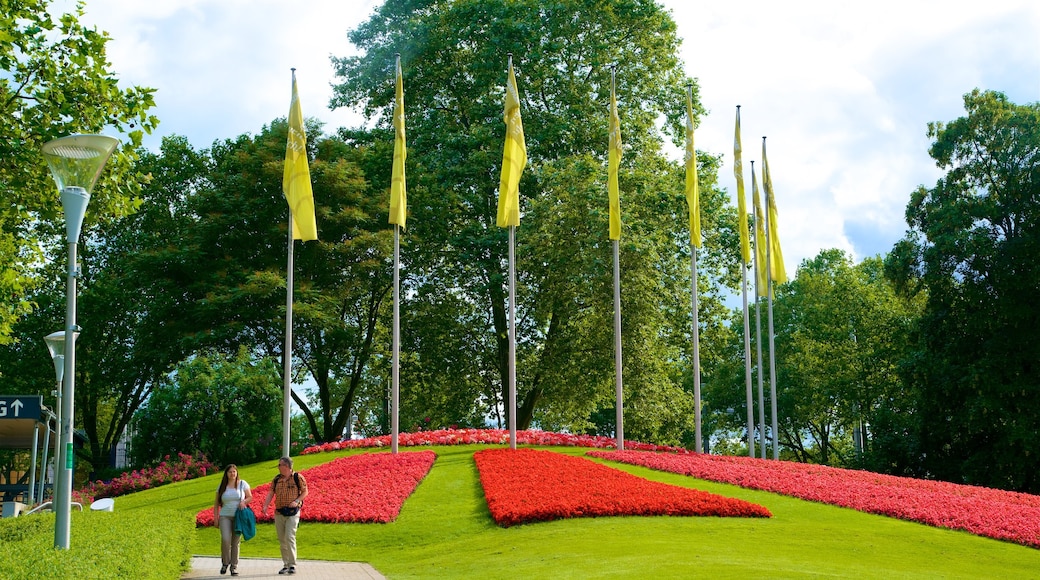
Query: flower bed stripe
[369, 487]
[486, 437]
[529, 485]
[1001, 515]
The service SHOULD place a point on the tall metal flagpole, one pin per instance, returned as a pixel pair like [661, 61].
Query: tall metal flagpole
[396, 372]
[747, 365]
[758, 339]
[769, 281]
[694, 243]
[512, 335]
[738, 173]
[699, 447]
[618, 390]
[287, 351]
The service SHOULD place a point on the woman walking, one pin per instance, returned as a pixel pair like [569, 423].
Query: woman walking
[232, 495]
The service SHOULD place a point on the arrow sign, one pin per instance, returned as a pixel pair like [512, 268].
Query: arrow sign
[21, 407]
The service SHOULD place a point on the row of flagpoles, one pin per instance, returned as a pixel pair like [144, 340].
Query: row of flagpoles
[296, 185]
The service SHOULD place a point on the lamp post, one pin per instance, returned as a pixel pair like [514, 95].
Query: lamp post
[56, 346]
[75, 163]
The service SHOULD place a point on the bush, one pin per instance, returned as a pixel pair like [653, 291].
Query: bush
[182, 468]
[143, 543]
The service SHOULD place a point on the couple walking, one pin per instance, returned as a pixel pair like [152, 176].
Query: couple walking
[288, 489]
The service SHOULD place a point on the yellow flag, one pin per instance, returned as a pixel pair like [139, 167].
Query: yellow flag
[514, 157]
[776, 257]
[613, 162]
[692, 189]
[398, 191]
[761, 281]
[296, 179]
[738, 173]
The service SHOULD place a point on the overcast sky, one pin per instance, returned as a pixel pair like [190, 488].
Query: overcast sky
[843, 90]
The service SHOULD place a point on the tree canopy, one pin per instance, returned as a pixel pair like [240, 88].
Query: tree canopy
[972, 252]
[55, 81]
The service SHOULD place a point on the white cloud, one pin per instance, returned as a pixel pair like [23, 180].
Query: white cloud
[843, 90]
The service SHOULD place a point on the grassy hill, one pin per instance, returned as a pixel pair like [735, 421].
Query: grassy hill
[445, 531]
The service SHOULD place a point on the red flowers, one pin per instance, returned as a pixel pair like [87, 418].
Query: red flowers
[487, 437]
[1002, 515]
[528, 485]
[370, 487]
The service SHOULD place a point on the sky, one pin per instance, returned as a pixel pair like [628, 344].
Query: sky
[843, 91]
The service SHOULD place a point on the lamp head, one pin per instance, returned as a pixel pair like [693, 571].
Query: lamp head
[56, 346]
[76, 162]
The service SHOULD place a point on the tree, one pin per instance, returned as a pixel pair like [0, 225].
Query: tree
[454, 59]
[971, 252]
[227, 408]
[841, 334]
[56, 81]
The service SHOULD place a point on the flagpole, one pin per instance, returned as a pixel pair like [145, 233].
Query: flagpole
[512, 326]
[287, 351]
[396, 371]
[618, 390]
[769, 281]
[694, 243]
[512, 334]
[758, 341]
[699, 446]
[747, 363]
[745, 257]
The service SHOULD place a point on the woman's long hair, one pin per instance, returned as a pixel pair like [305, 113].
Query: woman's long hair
[224, 483]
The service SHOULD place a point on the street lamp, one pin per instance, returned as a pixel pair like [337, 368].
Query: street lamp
[56, 346]
[75, 163]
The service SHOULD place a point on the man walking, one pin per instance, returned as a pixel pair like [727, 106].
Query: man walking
[288, 490]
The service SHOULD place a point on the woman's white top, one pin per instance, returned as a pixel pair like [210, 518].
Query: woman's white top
[231, 498]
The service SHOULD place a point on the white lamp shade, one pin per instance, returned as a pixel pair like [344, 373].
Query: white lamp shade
[77, 160]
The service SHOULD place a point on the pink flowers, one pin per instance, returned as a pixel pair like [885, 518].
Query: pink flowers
[528, 485]
[1002, 515]
[486, 437]
[168, 471]
[370, 487]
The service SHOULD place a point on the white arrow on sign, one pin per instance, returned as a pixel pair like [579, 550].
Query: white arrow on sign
[17, 406]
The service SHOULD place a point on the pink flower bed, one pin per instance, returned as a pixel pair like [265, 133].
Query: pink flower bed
[370, 487]
[529, 485]
[1002, 515]
[182, 468]
[486, 437]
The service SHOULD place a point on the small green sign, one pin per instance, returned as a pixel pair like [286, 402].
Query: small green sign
[68, 456]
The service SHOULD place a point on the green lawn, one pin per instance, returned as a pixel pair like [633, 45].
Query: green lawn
[445, 531]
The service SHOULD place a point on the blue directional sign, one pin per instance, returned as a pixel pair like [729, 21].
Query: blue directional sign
[24, 407]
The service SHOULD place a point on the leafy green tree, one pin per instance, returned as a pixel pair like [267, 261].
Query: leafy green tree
[55, 80]
[226, 407]
[841, 334]
[454, 59]
[972, 253]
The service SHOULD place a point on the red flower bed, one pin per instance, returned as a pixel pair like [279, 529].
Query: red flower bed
[486, 437]
[528, 485]
[1002, 515]
[370, 487]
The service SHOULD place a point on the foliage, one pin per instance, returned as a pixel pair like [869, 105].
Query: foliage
[453, 251]
[102, 545]
[56, 81]
[227, 408]
[971, 252]
[841, 333]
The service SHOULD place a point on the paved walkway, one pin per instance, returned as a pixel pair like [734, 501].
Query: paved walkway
[209, 567]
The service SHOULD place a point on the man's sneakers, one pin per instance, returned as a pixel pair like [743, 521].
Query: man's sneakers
[288, 570]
